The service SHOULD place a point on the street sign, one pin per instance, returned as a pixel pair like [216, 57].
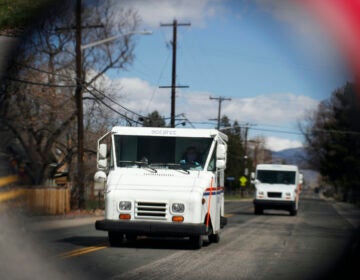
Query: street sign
[243, 181]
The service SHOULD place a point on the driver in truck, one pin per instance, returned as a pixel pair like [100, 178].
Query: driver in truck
[191, 155]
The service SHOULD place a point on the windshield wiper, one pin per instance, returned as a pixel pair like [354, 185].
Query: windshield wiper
[139, 163]
[173, 165]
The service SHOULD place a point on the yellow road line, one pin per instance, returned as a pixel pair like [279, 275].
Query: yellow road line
[8, 180]
[11, 195]
[82, 251]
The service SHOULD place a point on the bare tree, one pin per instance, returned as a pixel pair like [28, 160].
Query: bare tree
[37, 102]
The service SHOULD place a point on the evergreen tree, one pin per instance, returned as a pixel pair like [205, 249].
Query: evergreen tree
[333, 141]
[154, 120]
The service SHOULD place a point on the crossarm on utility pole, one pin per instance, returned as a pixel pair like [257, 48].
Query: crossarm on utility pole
[220, 100]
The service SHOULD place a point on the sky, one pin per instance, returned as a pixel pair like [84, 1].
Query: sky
[271, 57]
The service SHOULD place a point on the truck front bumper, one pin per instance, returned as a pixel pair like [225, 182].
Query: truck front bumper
[152, 228]
[274, 204]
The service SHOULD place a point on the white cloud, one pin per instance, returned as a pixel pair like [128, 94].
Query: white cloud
[142, 97]
[277, 144]
[273, 109]
[155, 12]
[279, 109]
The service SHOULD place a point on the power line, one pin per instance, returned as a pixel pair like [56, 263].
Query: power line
[85, 85]
[114, 110]
[69, 78]
[345, 132]
[113, 101]
[158, 81]
[39, 83]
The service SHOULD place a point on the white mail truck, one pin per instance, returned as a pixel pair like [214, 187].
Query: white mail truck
[162, 182]
[277, 186]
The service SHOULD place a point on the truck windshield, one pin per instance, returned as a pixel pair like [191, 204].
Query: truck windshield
[276, 177]
[161, 152]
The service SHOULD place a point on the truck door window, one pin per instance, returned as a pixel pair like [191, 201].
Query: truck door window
[212, 163]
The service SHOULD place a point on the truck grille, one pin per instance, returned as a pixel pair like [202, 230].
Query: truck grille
[151, 210]
[274, 194]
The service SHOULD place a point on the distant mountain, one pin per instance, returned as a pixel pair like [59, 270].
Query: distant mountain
[295, 156]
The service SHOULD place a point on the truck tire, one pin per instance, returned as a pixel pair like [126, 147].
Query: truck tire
[293, 212]
[258, 210]
[115, 238]
[223, 221]
[214, 238]
[196, 242]
[131, 237]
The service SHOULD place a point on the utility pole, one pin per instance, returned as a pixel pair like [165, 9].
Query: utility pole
[246, 171]
[80, 187]
[173, 86]
[220, 100]
[79, 106]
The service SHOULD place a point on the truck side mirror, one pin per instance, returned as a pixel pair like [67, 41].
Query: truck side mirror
[252, 176]
[220, 164]
[221, 151]
[100, 177]
[301, 178]
[102, 151]
[99, 182]
[102, 161]
[221, 156]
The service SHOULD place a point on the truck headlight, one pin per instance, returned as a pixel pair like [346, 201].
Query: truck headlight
[178, 207]
[125, 205]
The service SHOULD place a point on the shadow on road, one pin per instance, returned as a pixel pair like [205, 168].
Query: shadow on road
[244, 213]
[84, 240]
[140, 243]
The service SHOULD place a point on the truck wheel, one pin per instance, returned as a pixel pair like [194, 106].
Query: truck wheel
[196, 242]
[214, 238]
[258, 210]
[131, 237]
[223, 221]
[293, 212]
[115, 238]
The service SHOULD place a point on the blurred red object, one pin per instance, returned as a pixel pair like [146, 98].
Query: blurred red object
[342, 19]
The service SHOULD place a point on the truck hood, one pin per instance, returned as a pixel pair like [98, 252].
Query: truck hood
[142, 179]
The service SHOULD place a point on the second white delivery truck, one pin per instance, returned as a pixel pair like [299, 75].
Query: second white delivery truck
[277, 186]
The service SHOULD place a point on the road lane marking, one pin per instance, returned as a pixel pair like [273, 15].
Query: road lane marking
[11, 195]
[8, 180]
[82, 251]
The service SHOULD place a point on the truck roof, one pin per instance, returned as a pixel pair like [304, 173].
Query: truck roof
[168, 132]
[284, 167]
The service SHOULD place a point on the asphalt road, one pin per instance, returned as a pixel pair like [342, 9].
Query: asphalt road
[321, 241]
